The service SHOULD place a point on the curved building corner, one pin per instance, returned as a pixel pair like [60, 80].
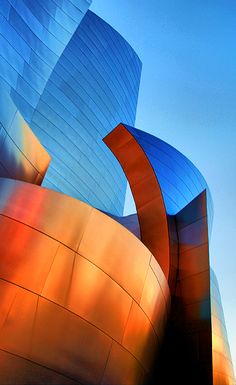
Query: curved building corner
[93, 87]
[87, 296]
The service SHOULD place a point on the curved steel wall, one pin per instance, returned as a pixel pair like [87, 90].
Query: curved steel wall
[93, 87]
[33, 35]
[72, 88]
[222, 364]
[192, 295]
[87, 301]
[22, 157]
[179, 179]
[147, 194]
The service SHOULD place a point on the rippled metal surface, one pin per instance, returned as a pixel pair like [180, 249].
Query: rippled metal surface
[80, 295]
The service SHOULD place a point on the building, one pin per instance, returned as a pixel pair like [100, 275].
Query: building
[89, 296]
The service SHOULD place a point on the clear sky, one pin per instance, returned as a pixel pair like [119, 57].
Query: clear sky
[187, 98]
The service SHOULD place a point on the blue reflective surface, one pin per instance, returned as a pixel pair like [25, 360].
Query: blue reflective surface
[93, 87]
[73, 79]
[33, 35]
[179, 179]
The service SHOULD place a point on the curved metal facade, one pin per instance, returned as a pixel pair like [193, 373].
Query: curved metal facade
[72, 82]
[179, 179]
[22, 155]
[223, 373]
[83, 300]
[93, 87]
[196, 342]
[77, 318]
[146, 191]
[33, 35]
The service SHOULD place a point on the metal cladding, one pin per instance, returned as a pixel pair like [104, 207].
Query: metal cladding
[191, 308]
[222, 365]
[77, 317]
[33, 35]
[146, 191]
[180, 244]
[179, 179]
[93, 87]
[22, 155]
[73, 78]
[89, 297]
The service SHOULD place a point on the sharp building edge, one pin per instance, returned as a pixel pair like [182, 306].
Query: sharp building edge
[88, 296]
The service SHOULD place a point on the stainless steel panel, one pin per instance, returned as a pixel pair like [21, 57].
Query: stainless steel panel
[146, 192]
[161, 278]
[17, 329]
[26, 254]
[21, 371]
[193, 235]
[57, 215]
[50, 329]
[68, 344]
[88, 292]
[109, 245]
[22, 155]
[193, 260]
[153, 303]
[122, 368]
[195, 287]
[140, 338]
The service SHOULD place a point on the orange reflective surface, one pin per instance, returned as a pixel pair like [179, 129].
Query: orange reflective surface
[140, 338]
[146, 192]
[197, 316]
[154, 304]
[83, 300]
[22, 155]
[80, 295]
[223, 373]
[122, 368]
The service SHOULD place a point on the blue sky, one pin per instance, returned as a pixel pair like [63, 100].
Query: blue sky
[187, 98]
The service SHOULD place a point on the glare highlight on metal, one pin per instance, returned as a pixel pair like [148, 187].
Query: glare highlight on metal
[88, 296]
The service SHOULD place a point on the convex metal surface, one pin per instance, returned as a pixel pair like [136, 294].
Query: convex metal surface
[76, 300]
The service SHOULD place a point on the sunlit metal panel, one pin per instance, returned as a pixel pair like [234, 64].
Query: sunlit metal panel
[93, 87]
[223, 373]
[71, 315]
[179, 179]
[146, 191]
[22, 156]
[33, 35]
